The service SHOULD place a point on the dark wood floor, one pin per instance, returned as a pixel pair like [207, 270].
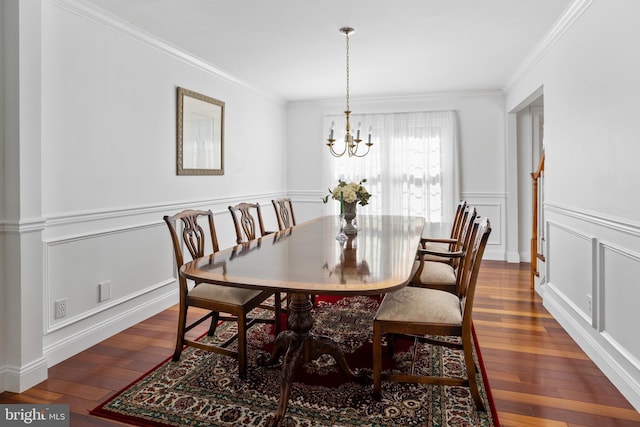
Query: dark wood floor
[538, 374]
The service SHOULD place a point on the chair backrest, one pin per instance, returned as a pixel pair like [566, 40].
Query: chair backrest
[284, 213]
[481, 232]
[458, 220]
[462, 241]
[194, 236]
[247, 227]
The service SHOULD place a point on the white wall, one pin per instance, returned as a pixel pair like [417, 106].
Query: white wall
[108, 153]
[590, 79]
[2, 198]
[482, 148]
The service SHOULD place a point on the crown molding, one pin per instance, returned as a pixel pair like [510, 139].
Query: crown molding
[404, 97]
[561, 26]
[101, 17]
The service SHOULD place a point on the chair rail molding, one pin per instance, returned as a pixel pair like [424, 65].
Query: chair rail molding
[611, 222]
[220, 206]
[30, 225]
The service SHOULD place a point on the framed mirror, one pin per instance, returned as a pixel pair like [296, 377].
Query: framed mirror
[200, 134]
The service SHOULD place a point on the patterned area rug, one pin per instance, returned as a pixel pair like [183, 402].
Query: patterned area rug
[203, 388]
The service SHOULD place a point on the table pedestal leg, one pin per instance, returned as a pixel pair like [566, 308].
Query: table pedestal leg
[299, 345]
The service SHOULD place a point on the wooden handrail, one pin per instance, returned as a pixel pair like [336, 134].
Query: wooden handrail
[535, 176]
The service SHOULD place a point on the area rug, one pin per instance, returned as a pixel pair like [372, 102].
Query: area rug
[203, 388]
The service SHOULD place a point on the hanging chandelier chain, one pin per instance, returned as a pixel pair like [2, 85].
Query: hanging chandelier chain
[347, 37]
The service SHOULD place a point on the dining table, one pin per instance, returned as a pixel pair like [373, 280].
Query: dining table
[315, 258]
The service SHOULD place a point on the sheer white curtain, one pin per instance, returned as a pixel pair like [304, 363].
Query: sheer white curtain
[412, 168]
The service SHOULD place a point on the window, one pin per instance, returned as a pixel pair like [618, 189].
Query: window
[412, 168]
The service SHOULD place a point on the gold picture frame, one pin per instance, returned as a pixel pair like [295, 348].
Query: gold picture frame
[200, 134]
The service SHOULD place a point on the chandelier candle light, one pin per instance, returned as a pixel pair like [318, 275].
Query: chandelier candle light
[351, 144]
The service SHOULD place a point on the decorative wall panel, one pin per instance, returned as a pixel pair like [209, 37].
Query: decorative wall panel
[570, 267]
[133, 260]
[620, 293]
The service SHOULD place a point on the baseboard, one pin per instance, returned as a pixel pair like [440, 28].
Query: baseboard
[494, 255]
[19, 379]
[76, 343]
[513, 257]
[594, 345]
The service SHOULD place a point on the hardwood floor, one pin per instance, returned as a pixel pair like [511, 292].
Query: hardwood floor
[538, 374]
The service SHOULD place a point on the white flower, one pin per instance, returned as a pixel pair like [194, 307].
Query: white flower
[349, 192]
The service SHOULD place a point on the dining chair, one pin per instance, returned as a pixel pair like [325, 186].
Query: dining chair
[284, 213]
[286, 219]
[432, 316]
[455, 236]
[436, 274]
[248, 227]
[235, 303]
[248, 224]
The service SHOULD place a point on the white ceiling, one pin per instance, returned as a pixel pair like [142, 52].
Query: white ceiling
[293, 48]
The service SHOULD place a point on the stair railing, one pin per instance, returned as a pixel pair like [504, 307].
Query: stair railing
[535, 255]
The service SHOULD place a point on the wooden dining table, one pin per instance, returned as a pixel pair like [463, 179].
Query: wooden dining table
[306, 260]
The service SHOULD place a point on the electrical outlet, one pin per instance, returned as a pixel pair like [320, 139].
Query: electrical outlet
[104, 290]
[60, 307]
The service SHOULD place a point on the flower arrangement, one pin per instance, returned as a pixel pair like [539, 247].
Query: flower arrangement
[349, 193]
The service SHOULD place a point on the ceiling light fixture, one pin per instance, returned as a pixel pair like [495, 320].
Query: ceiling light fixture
[351, 144]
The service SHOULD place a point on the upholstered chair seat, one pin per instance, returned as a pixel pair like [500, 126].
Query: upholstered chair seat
[432, 271]
[435, 272]
[407, 305]
[222, 294]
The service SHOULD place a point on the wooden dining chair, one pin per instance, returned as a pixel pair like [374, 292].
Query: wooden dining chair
[248, 224]
[286, 219]
[430, 315]
[436, 274]
[447, 244]
[284, 213]
[236, 303]
[247, 220]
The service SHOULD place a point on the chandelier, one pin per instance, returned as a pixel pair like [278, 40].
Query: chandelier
[351, 144]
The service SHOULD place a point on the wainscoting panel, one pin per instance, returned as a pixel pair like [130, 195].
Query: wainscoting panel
[570, 268]
[131, 249]
[597, 255]
[492, 205]
[619, 273]
[128, 262]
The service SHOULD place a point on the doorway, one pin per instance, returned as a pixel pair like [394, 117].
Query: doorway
[530, 152]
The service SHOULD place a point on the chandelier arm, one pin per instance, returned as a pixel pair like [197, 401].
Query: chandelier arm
[334, 153]
[355, 152]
